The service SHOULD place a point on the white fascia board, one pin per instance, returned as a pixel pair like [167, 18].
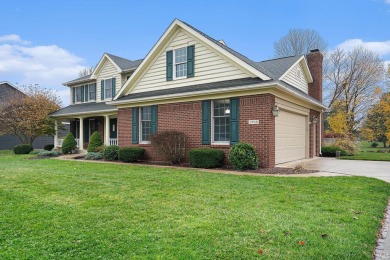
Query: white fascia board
[100, 64]
[86, 113]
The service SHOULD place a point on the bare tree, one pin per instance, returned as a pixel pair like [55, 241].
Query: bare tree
[86, 71]
[350, 82]
[298, 42]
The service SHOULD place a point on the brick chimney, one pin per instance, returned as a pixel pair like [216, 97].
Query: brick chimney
[314, 61]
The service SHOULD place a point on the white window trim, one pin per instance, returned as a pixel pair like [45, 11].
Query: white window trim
[174, 63]
[140, 128]
[212, 128]
[105, 98]
[89, 96]
[75, 95]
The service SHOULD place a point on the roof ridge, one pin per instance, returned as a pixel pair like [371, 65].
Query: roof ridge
[109, 54]
[279, 58]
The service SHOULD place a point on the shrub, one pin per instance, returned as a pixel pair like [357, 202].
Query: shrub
[94, 142]
[349, 146]
[374, 145]
[100, 149]
[48, 154]
[23, 149]
[35, 152]
[330, 151]
[110, 153]
[243, 156]
[131, 154]
[171, 145]
[94, 156]
[69, 144]
[48, 147]
[206, 158]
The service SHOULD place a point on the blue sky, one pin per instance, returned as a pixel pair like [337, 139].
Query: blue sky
[48, 42]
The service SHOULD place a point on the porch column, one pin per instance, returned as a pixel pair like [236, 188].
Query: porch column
[56, 134]
[107, 130]
[81, 134]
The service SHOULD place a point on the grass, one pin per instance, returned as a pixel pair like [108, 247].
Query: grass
[370, 153]
[54, 209]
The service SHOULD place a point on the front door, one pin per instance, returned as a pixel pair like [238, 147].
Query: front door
[113, 128]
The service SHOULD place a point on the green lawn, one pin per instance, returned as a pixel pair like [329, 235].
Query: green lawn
[369, 153]
[53, 209]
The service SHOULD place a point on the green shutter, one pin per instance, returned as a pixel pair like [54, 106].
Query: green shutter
[234, 120]
[169, 65]
[86, 97]
[86, 130]
[102, 90]
[73, 93]
[190, 61]
[134, 125]
[206, 109]
[82, 93]
[113, 88]
[154, 119]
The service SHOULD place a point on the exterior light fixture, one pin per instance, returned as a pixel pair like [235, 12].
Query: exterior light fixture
[227, 111]
[314, 120]
[275, 111]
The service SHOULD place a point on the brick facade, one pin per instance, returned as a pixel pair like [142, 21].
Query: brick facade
[187, 117]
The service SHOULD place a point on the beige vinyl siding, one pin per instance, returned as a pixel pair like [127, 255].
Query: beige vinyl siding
[124, 78]
[298, 82]
[108, 71]
[210, 66]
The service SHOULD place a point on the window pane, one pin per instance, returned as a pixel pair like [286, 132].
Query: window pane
[181, 70]
[145, 123]
[108, 88]
[92, 91]
[221, 117]
[78, 94]
[181, 55]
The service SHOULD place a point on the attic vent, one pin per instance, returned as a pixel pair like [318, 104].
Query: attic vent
[222, 41]
[298, 74]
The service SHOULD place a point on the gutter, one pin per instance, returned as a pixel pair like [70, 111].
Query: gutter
[85, 113]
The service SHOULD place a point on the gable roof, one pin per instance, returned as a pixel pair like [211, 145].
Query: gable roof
[277, 67]
[78, 80]
[84, 108]
[124, 64]
[236, 57]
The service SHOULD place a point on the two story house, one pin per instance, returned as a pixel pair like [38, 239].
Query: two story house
[193, 83]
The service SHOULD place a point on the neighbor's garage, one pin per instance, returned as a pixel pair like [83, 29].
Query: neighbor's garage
[290, 137]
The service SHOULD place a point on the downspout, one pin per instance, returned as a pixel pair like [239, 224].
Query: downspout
[322, 111]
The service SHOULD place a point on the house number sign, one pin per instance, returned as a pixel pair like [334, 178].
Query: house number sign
[253, 122]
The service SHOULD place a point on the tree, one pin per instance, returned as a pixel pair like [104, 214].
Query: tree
[86, 71]
[351, 80]
[376, 125]
[27, 117]
[298, 42]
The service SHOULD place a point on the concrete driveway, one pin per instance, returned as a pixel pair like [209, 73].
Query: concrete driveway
[379, 170]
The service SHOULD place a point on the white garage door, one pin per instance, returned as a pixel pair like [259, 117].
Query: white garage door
[290, 135]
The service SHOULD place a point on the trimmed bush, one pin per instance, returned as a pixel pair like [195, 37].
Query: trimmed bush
[35, 152]
[69, 144]
[330, 151]
[48, 154]
[131, 154]
[171, 145]
[206, 158]
[48, 147]
[94, 142]
[23, 149]
[110, 153]
[374, 145]
[100, 149]
[94, 156]
[243, 156]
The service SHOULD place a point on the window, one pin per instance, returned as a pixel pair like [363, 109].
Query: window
[79, 95]
[108, 88]
[92, 91]
[145, 123]
[221, 121]
[180, 63]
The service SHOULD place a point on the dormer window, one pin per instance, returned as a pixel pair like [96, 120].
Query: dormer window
[79, 95]
[108, 88]
[181, 63]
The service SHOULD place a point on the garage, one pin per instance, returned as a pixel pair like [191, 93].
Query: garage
[290, 137]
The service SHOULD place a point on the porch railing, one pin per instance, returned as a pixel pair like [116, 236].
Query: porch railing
[77, 142]
[113, 141]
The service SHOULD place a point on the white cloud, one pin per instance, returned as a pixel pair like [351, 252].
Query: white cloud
[387, 1]
[381, 48]
[48, 65]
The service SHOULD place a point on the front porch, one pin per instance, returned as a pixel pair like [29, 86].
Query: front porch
[83, 127]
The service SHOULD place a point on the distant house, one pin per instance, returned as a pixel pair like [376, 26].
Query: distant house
[195, 84]
[7, 142]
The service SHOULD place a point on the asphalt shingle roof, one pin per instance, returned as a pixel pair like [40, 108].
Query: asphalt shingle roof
[277, 67]
[125, 64]
[83, 108]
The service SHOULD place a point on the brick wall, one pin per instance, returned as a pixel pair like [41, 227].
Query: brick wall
[314, 61]
[187, 117]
